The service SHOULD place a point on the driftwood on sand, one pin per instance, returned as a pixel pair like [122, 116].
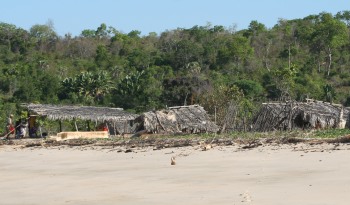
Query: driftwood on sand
[181, 119]
[310, 114]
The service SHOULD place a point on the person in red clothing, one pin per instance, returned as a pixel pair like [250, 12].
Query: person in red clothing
[103, 127]
[10, 129]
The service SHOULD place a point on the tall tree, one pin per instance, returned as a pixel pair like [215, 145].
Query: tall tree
[330, 34]
[45, 36]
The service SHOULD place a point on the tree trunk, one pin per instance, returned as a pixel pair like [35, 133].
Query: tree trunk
[330, 61]
[290, 116]
[41, 133]
[223, 128]
[319, 66]
[185, 101]
[289, 56]
[266, 56]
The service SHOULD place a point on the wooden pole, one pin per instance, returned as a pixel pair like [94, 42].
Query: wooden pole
[76, 126]
[215, 113]
[60, 124]
[114, 128]
[88, 125]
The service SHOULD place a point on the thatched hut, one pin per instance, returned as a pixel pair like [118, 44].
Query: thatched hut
[117, 119]
[310, 114]
[176, 120]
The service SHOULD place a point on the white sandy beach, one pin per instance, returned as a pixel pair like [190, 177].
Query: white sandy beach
[281, 175]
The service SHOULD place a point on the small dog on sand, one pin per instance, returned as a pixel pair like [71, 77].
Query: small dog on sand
[173, 161]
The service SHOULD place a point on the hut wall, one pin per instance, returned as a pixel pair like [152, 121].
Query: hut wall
[186, 119]
[283, 116]
[121, 127]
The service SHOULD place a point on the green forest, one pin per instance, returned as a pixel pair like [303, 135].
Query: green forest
[227, 71]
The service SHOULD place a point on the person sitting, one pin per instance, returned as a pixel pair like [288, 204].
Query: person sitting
[32, 132]
[22, 129]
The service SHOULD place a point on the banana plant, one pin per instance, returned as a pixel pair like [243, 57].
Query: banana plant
[89, 86]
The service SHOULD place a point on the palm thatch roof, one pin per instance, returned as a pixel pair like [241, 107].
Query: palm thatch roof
[58, 112]
[310, 114]
[181, 119]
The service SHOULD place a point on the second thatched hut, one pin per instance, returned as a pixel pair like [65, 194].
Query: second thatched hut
[176, 120]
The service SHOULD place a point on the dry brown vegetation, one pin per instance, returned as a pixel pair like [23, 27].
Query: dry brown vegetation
[157, 142]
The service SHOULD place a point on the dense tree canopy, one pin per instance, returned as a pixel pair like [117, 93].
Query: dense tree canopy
[295, 59]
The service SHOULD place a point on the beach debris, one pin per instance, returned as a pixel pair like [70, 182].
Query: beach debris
[182, 154]
[173, 162]
[128, 150]
[207, 147]
[172, 152]
[252, 144]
